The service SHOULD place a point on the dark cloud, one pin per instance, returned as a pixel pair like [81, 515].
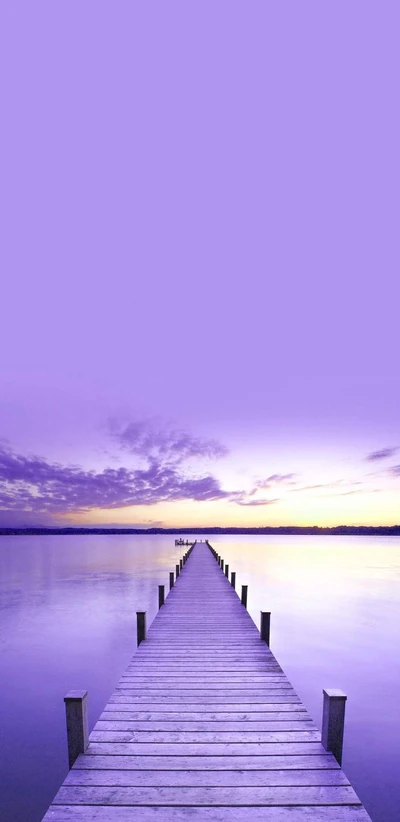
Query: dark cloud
[383, 454]
[152, 440]
[34, 485]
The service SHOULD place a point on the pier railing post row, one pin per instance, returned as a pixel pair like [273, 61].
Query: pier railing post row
[227, 570]
[233, 580]
[161, 595]
[333, 711]
[140, 626]
[265, 626]
[244, 595]
[77, 724]
[213, 551]
[171, 580]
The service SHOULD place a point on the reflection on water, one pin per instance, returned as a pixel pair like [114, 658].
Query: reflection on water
[68, 621]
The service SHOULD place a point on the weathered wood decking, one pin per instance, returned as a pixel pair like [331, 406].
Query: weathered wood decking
[205, 726]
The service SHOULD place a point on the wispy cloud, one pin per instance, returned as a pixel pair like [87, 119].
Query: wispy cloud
[335, 488]
[154, 440]
[394, 471]
[274, 480]
[383, 454]
[242, 501]
[309, 487]
[356, 491]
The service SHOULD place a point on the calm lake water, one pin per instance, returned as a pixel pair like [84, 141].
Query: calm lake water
[68, 621]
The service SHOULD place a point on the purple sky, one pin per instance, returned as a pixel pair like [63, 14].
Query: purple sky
[200, 260]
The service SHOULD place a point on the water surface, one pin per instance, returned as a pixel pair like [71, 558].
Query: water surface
[68, 621]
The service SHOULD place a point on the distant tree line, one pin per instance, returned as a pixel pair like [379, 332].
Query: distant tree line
[308, 530]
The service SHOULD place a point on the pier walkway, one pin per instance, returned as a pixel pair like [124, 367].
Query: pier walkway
[204, 726]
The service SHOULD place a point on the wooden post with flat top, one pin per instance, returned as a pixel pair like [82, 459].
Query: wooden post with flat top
[265, 624]
[161, 596]
[333, 711]
[77, 724]
[141, 626]
[244, 595]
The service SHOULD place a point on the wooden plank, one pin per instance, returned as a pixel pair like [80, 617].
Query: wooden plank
[204, 728]
[251, 712]
[246, 683]
[86, 813]
[197, 749]
[101, 734]
[265, 680]
[160, 688]
[276, 795]
[173, 699]
[206, 763]
[208, 778]
[195, 656]
[218, 671]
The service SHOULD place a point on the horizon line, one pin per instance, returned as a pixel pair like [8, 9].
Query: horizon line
[213, 530]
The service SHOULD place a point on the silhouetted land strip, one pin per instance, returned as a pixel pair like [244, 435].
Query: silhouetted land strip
[346, 530]
[204, 726]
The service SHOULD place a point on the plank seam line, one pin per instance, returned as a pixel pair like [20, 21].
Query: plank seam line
[231, 805]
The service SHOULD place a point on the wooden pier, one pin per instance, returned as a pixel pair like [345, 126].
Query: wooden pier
[204, 725]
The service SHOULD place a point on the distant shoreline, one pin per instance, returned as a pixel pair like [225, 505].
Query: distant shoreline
[313, 530]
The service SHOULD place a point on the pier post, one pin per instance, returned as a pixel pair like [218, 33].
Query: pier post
[141, 626]
[244, 595]
[180, 564]
[265, 625]
[333, 711]
[222, 565]
[171, 580]
[177, 571]
[77, 724]
[227, 570]
[161, 595]
[233, 579]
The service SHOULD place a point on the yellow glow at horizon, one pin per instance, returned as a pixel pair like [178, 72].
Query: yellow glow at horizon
[300, 509]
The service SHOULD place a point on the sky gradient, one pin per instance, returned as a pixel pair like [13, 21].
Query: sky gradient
[200, 259]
